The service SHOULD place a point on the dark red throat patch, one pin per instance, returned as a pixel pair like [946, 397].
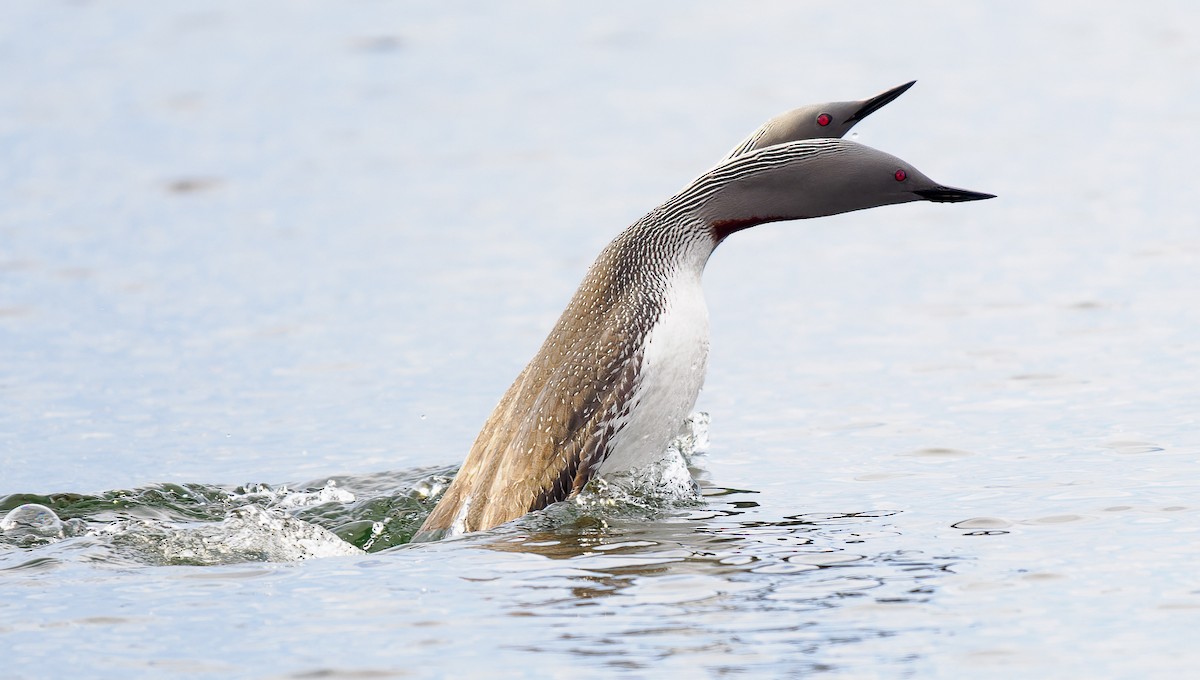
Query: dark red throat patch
[721, 229]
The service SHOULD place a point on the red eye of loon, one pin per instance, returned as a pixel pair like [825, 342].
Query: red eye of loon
[901, 175]
[824, 119]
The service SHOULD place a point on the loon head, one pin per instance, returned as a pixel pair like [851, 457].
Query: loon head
[809, 178]
[831, 120]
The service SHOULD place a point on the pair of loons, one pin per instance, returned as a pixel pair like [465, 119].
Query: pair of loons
[612, 384]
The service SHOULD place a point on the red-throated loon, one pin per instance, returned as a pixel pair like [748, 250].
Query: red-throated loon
[624, 364]
[816, 121]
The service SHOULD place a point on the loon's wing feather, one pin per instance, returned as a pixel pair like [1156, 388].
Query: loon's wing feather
[594, 413]
[549, 433]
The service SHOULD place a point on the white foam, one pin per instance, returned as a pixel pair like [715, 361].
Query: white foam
[283, 497]
[249, 533]
[664, 482]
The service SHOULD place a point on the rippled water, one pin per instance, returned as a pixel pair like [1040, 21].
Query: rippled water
[684, 585]
[248, 245]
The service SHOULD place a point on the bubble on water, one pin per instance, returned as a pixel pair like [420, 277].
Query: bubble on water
[75, 527]
[31, 522]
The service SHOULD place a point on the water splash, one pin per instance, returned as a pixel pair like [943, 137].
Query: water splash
[201, 524]
[197, 524]
[249, 534]
[662, 487]
[283, 497]
[692, 439]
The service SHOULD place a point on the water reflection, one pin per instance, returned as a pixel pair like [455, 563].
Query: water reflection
[721, 583]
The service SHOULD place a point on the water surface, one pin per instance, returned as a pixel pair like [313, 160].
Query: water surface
[244, 248]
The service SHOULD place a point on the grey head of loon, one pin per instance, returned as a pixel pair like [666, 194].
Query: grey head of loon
[830, 120]
[809, 178]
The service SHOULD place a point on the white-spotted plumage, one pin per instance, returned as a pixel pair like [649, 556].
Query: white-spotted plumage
[672, 372]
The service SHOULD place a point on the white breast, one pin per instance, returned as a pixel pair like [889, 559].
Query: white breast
[672, 373]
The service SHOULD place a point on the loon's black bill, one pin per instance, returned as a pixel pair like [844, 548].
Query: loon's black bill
[951, 195]
[879, 101]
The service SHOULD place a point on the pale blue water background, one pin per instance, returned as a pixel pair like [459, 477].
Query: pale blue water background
[276, 242]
